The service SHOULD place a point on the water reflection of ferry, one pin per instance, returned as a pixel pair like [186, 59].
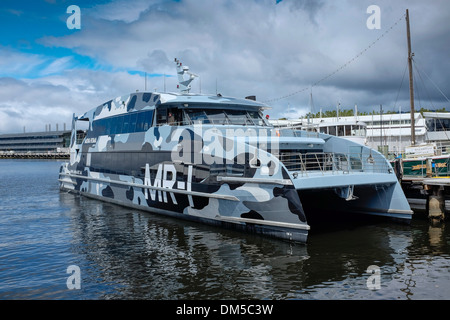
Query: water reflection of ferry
[217, 160]
[132, 252]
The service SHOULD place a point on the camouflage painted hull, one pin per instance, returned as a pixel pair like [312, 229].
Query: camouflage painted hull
[244, 206]
[219, 163]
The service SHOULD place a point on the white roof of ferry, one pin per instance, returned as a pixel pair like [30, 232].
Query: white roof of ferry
[172, 97]
[119, 105]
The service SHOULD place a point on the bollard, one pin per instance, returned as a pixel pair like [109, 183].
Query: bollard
[436, 207]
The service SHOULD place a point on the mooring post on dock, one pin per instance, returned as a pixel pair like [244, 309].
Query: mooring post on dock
[436, 204]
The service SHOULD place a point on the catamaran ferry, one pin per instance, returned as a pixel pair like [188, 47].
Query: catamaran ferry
[217, 160]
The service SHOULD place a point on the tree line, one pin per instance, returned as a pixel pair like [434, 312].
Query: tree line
[351, 112]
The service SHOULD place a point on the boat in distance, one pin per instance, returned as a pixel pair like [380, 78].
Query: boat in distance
[217, 160]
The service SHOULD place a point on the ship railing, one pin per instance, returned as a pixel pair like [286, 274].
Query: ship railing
[333, 163]
[205, 122]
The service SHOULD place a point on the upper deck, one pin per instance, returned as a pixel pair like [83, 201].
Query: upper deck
[151, 100]
[140, 111]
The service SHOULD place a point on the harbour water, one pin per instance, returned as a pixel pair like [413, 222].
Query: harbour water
[122, 253]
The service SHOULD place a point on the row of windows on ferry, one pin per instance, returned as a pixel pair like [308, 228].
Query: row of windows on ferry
[344, 130]
[128, 123]
[142, 121]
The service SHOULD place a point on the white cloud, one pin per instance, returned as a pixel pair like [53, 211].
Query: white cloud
[122, 10]
[14, 63]
[34, 103]
[17, 64]
[246, 48]
[57, 66]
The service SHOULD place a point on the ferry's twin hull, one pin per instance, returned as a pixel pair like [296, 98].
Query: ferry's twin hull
[226, 180]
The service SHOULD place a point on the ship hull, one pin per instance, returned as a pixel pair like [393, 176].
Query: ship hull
[248, 207]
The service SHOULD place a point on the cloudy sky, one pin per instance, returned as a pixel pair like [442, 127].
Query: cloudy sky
[283, 52]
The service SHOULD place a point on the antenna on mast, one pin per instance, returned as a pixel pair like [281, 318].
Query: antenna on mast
[184, 84]
[311, 102]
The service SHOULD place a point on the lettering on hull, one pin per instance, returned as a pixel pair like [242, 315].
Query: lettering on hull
[166, 177]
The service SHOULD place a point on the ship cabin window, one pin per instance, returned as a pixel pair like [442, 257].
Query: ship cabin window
[161, 117]
[438, 124]
[83, 127]
[358, 130]
[125, 123]
[199, 116]
[348, 130]
[225, 117]
[332, 130]
[177, 116]
[239, 117]
[257, 118]
[170, 116]
[81, 134]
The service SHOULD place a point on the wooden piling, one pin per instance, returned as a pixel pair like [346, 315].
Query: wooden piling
[434, 190]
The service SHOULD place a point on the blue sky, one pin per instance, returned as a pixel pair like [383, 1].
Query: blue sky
[268, 48]
[27, 23]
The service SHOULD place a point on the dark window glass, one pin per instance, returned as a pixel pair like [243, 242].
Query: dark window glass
[148, 120]
[117, 125]
[238, 117]
[140, 121]
[125, 124]
[161, 117]
[129, 123]
[198, 116]
[133, 119]
[106, 124]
